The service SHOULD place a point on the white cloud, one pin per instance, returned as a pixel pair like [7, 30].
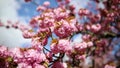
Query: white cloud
[8, 11]
[11, 37]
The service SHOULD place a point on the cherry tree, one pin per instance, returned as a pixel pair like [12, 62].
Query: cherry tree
[100, 35]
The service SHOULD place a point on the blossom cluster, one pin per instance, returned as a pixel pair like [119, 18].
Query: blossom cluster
[97, 35]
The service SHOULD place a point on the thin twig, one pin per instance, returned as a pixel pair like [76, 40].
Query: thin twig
[46, 49]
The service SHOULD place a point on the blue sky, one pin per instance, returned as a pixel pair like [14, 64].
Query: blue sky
[29, 9]
[18, 10]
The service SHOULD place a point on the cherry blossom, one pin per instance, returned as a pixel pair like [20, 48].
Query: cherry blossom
[52, 33]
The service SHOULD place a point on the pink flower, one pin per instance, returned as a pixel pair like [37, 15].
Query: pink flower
[108, 66]
[27, 0]
[88, 27]
[17, 54]
[65, 29]
[60, 13]
[49, 56]
[37, 45]
[27, 34]
[86, 12]
[33, 21]
[80, 57]
[47, 22]
[102, 42]
[59, 65]
[54, 48]
[63, 45]
[73, 25]
[1, 24]
[30, 53]
[33, 55]
[58, 10]
[79, 26]
[46, 3]
[23, 65]
[67, 1]
[3, 51]
[96, 27]
[83, 12]
[72, 7]
[40, 57]
[60, 32]
[44, 41]
[86, 37]
[38, 66]
[41, 8]
[90, 44]
[23, 27]
[48, 14]
[80, 46]
[44, 32]
[15, 25]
